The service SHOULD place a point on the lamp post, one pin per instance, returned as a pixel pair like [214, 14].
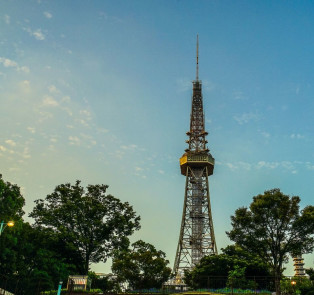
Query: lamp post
[59, 288]
[293, 284]
[3, 225]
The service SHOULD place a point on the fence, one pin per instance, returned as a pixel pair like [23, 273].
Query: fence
[212, 284]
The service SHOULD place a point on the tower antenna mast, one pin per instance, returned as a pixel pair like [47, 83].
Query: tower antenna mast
[197, 58]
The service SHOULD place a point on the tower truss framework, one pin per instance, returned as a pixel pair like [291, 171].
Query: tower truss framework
[197, 237]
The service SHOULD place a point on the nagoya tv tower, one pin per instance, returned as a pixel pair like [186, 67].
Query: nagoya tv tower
[197, 237]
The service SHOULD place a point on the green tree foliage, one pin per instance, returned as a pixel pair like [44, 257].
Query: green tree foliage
[142, 267]
[272, 227]
[11, 201]
[310, 273]
[40, 259]
[106, 284]
[11, 204]
[89, 222]
[237, 279]
[213, 271]
[303, 286]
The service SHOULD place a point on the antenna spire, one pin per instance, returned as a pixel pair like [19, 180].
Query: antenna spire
[197, 58]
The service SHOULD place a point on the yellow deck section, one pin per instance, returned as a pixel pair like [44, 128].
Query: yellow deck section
[197, 160]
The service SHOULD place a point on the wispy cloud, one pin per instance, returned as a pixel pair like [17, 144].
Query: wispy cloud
[129, 147]
[287, 166]
[47, 14]
[239, 95]
[269, 165]
[37, 34]
[265, 134]
[2, 148]
[296, 136]
[74, 140]
[31, 129]
[7, 19]
[49, 101]
[9, 63]
[53, 89]
[246, 118]
[10, 142]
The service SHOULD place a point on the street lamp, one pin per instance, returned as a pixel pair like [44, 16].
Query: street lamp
[293, 284]
[3, 225]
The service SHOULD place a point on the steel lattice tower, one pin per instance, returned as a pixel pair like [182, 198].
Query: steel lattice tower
[197, 237]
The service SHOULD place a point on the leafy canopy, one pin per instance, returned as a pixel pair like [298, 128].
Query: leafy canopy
[142, 267]
[214, 270]
[88, 221]
[273, 227]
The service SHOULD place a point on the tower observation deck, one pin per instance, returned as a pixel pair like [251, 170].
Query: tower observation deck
[197, 237]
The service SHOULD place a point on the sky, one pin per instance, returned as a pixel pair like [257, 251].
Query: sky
[100, 91]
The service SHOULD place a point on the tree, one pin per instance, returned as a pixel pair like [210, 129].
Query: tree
[142, 267]
[11, 201]
[213, 271]
[88, 221]
[273, 227]
[310, 273]
[41, 263]
[11, 204]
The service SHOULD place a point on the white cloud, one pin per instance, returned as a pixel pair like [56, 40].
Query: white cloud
[66, 99]
[25, 153]
[265, 134]
[246, 118]
[231, 166]
[308, 165]
[245, 166]
[47, 14]
[161, 171]
[287, 165]
[270, 165]
[74, 140]
[129, 147]
[53, 89]
[2, 148]
[7, 19]
[10, 142]
[31, 129]
[49, 101]
[102, 130]
[25, 86]
[9, 63]
[38, 34]
[238, 95]
[23, 69]
[296, 136]
[86, 114]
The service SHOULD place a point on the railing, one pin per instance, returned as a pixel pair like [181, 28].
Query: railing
[209, 284]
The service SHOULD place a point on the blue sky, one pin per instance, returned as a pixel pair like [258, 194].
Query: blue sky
[100, 91]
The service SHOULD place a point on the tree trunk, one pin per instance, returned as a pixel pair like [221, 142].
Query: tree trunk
[277, 281]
